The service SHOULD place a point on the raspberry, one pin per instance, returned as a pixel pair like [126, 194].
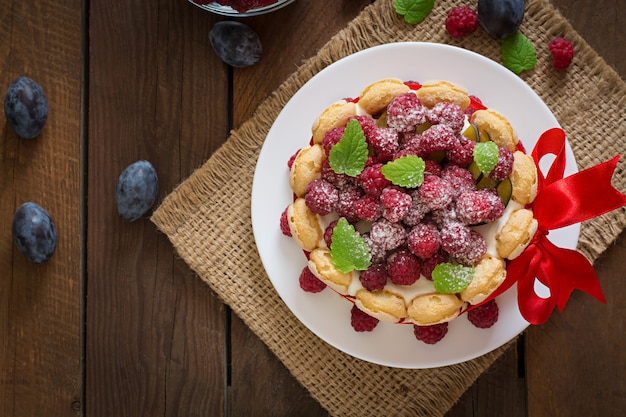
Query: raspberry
[438, 138]
[292, 159]
[345, 205]
[387, 235]
[374, 278]
[384, 142]
[436, 192]
[449, 114]
[462, 153]
[504, 166]
[417, 211]
[429, 264]
[309, 282]
[368, 208]
[423, 240]
[321, 197]
[361, 321]
[377, 250]
[484, 315]
[460, 178]
[444, 215]
[284, 223]
[474, 251]
[432, 168]
[367, 123]
[328, 233]
[562, 52]
[480, 206]
[331, 138]
[372, 180]
[340, 181]
[461, 21]
[405, 113]
[430, 334]
[455, 237]
[396, 204]
[403, 267]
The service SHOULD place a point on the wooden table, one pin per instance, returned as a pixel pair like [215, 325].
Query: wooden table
[116, 324]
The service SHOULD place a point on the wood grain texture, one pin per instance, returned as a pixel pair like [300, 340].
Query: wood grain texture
[40, 365]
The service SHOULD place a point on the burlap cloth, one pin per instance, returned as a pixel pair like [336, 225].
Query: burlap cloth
[589, 100]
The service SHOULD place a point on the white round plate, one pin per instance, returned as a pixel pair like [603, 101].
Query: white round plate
[327, 314]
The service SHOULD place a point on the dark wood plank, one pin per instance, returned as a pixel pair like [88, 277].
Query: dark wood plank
[40, 354]
[155, 333]
[302, 27]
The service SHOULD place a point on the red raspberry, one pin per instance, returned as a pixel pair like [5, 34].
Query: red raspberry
[361, 321]
[368, 208]
[455, 237]
[474, 251]
[405, 113]
[446, 113]
[462, 153]
[374, 278]
[372, 180]
[345, 205]
[418, 209]
[321, 197]
[331, 138]
[396, 204]
[377, 249]
[387, 235]
[284, 223]
[309, 282]
[504, 166]
[432, 168]
[562, 52]
[430, 334]
[423, 240]
[461, 179]
[461, 21]
[444, 215]
[385, 143]
[340, 181]
[436, 192]
[403, 267]
[368, 124]
[480, 206]
[484, 315]
[438, 138]
[328, 233]
[429, 264]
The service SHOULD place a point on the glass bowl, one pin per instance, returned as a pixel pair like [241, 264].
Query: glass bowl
[217, 8]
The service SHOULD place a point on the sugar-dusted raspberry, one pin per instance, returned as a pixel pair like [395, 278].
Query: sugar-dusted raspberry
[455, 237]
[428, 265]
[461, 179]
[432, 168]
[321, 197]
[385, 143]
[474, 251]
[368, 208]
[438, 138]
[361, 321]
[284, 223]
[340, 181]
[403, 268]
[292, 159]
[377, 249]
[430, 334]
[444, 215]
[368, 124]
[387, 235]
[461, 20]
[436, 192]
[462, 153]
[484, 315]
[479, 206]
[331, 138]
[309, 282]
[504, 166]
[372, 180]
[374, 278]
[405, 113]
[345, 205]
[562, 52]
[396, 204]
[447, 113]
[417, 211]
[423, 240]
[328, 233]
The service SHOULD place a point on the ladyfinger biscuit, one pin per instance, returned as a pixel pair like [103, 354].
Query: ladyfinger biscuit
[375, 98]
[307, 166]
[489, 274]
[322, 266]
[496, 126]
[304, 225]
[523, 178]
[516, 234]
[383, 305]
[335, 115]
[443, 91]
[429, 309]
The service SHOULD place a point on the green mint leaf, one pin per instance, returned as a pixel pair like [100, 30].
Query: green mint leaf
[414, 11]
[349, 155]
[486, 156]
[348, 249]
[451, 279]
[406, 171]
[518, 53]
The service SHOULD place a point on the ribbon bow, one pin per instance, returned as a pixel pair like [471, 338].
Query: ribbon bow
[560, 202]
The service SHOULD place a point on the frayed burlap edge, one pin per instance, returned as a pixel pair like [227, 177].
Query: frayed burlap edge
[588, 100]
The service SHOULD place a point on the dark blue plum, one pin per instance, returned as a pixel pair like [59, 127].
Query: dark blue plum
[235, 43]
[34, 232]
[500, 18]
[26, 107]
[137, 189]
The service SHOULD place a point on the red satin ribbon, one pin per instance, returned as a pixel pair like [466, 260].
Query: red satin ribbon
[560, 202]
